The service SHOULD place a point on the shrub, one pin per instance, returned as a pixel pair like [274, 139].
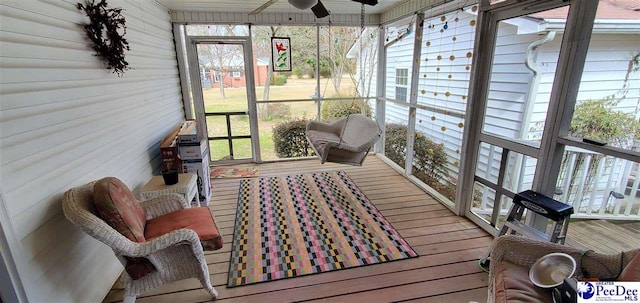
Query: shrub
[278, 80]
[429, 161]
[395, 143]
[332, 110]
[277, 111]
[286, 74]
[297, 71]
[325, 72]
[290, 141]
[598, 119]
[429, 158]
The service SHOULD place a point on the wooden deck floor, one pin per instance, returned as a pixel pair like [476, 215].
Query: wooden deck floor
[446, 270]
[609, 237]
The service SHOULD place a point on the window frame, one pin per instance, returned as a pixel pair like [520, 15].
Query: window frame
[402, 81]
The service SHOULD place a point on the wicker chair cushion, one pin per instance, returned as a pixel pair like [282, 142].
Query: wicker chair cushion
[117, 206]
[513, 285]
[631, 272]
[320, 139]
[198, 219]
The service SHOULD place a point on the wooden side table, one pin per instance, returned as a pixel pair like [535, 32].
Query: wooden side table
[187, 186]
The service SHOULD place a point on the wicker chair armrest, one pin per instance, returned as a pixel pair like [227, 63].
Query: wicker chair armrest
[181, 236]
[524, 252]
[333, 127]
[164, 204]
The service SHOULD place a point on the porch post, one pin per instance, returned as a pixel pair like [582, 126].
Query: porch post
[318, 97]
[179, 40]
[413, 96]
[381, 89]
[573, 53]
[476, 106]
[253, 99]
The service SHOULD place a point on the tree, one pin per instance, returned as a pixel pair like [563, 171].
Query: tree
[303, 48]
[367, 62]
[264, 43]
[221, 58]
[337, 41]
[303, 52]
[598, 119]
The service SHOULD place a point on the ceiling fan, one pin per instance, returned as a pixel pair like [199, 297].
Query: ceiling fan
[316, 6]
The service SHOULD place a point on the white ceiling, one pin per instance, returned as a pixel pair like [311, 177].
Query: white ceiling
[282, 6]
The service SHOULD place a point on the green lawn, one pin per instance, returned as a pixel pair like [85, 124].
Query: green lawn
[235, 100]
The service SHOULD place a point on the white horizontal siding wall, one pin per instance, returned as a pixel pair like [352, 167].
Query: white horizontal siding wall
[507, 93]
[399, 56]
[509, 86]
[441, 76]
[605, 68]
[65, 120]
[507, 99]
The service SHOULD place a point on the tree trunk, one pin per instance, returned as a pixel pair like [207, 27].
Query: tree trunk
[372, 67]
[264, 112]
[267, 83]
[336, 77]
[222, 77]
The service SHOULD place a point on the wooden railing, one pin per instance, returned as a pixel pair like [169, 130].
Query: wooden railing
[597, 186]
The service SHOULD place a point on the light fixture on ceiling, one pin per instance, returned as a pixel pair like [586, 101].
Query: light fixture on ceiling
[303, 4]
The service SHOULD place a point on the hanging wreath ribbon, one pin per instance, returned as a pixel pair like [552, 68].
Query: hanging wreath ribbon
[106, 30]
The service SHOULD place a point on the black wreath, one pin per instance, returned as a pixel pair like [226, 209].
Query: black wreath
[106, 30]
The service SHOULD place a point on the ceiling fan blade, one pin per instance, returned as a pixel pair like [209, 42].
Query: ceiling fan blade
[319, 10]
[262, 7]
[369, 2]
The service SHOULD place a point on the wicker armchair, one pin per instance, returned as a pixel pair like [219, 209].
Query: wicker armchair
[176, 255]
[523, 252]
[346, 141]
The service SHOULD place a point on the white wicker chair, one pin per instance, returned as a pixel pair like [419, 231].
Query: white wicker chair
[345, 141]
[176, 255]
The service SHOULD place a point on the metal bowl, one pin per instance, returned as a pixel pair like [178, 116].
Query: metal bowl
[551, 270]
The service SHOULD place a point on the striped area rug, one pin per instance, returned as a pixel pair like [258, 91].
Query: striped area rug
[296, 225]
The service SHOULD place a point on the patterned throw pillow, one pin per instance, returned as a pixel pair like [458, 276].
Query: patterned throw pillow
[117, 206]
